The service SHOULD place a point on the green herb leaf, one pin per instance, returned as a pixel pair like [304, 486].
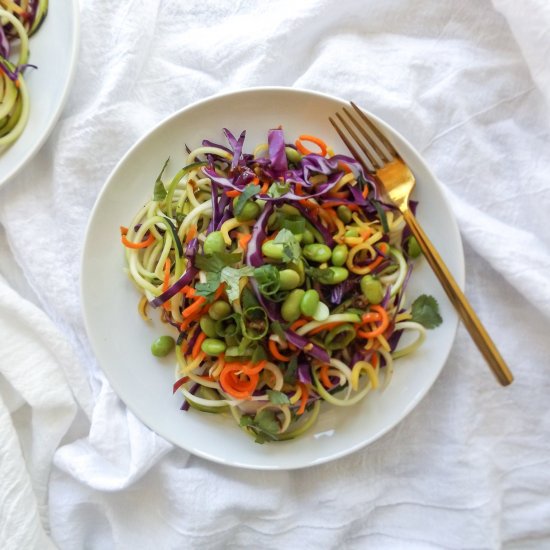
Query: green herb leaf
[232, 276]
[264, 425]
[258, 354]
[249, 191]
[209, 288]
[278, 189]
[159, 192]
[291, 247]
[246, 420]
[278, 397]
[295, 224]
[267, 421]
[425, 310]
[291, 371]
[216, 262]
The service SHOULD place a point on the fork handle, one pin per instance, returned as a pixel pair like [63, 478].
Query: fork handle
[461, 303]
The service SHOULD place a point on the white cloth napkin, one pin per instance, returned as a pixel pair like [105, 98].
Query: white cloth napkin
[468, 84]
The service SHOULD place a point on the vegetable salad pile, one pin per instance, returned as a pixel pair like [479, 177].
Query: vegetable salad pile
[19, 20]
[283, 274]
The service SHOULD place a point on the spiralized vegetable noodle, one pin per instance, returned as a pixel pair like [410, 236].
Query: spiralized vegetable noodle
[282, 274]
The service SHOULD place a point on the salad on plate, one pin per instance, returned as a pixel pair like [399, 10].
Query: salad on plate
[281, 273]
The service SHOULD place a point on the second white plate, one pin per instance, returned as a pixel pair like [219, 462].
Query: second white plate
[54, 50]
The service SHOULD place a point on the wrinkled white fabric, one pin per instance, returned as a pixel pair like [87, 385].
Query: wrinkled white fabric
[468, 83]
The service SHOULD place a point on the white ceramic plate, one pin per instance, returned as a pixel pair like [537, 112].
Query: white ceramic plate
[121, 339]
[53, 49]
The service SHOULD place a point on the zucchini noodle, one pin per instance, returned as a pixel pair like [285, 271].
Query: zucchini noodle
[19, 20]
[281, 275]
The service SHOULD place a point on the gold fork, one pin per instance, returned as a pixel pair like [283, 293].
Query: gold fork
[398, 182]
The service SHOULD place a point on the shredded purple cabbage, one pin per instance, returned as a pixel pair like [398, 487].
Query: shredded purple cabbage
[304, 373]
[193, 390]
[276, 148]
[301, 342]
[185, 279]
[236, 146]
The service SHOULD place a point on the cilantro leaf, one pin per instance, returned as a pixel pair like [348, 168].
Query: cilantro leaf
[267, 421]
[248, 192]
[208, 289]
[291, 371]
[278, 189]
[231, 276]
[159, 192]
[425, 310]
[216, 262]
[264, 425]
[278, 397]
[291, 247]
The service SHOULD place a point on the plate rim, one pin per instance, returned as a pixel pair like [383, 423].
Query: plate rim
[56, 113]
[459, 274]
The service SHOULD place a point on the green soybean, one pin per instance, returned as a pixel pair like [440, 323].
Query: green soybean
[250, 211]
[299, 267]
[317, 252]
[340, 274]
[344, 213]
[219, 309]
[208, 326]
[213, 346]
[339, 255]
[288, 279]
[292, 155]
[351, 233]
[308, 237]
[272, 250]
[162, 346]
[413, 248]
[214, 243]
[309, 302]
[372, 289]
[290, 309]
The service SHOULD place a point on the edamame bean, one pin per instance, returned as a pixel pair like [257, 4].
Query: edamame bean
[272, 250]
[317, 252]
[372, 289]
[219, 309]
[308, 237]
[299, 267]
[344, 213]
[214, 243]
[339, 255]
[290, 310]
[413, 248]
[250, 211]
[292, 155]
[288, 279]
[351, 233]
[213, 346]
[208, 326]
[162, 346]
[340, 275]
[309, 302]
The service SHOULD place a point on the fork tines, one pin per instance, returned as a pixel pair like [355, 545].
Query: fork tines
[374, 145]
